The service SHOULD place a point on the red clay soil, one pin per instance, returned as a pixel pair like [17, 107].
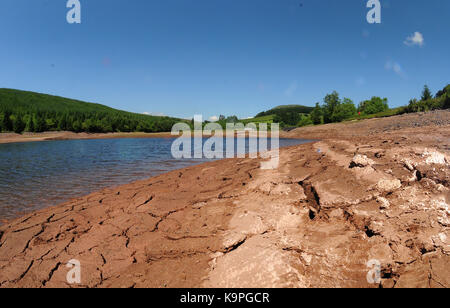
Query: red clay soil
[370, 190]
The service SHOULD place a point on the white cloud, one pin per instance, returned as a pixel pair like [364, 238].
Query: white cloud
[395, 67]
[291, 89]
[415, 39]
[213, 119]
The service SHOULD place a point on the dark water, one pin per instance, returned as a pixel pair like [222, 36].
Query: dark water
[40, 174]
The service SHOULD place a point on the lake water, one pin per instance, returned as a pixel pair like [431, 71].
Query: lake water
[39, 174]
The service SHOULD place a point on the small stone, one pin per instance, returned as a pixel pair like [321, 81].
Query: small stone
[409, 166]
[361, 161]
[307, 258]
[384, 203]
[389, 185]
[199, 205]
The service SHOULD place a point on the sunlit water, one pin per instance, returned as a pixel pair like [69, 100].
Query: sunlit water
[39, 174]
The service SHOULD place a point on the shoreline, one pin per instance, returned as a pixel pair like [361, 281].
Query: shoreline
[330, 207]
[8, 138]
[20, 214]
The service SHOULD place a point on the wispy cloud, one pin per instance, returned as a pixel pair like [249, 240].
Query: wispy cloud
[213, 119]
[291, 89]
[396, 68]
[415, 39]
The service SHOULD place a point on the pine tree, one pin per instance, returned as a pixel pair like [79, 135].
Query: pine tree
[19, 125]
[40, 124]
[30, 124]
[317, 115]
[7, 123]
[426, 94]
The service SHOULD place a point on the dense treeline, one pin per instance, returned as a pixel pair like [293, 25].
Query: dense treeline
[22, 111]
[427, 102]
[334, 109]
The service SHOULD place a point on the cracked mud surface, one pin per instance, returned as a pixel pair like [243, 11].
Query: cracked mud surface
[373, 193]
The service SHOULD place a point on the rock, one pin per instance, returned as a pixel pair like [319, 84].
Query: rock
[307, 258]
[337, 213]
[409, 166]
[384, 203]
[233, 240]
[434, 157]
[388, 185]
[361, 161]
[376, 227]
[380, 154]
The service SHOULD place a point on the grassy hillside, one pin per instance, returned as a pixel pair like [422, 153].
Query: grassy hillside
[286, 109]
[264, 119]
[34, 112]
[383, 114]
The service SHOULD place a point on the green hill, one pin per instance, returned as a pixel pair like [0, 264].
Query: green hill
[34, 112]
[286, 109]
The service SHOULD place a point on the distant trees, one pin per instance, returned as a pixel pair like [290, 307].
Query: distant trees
[343, 111]
[336, 110]
[333, 110]
[30, 124]
[7, 124]
[426, 93]
[305, 120]
[317, 115]
[287, 118]
[232, 119]
[41, 125]
[374, 105]
[427, 102]
[18, 124]
[331, 102]
[446, 99]
[33, 112]
[444, 91]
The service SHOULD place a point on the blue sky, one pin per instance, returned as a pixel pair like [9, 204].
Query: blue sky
[211, 57]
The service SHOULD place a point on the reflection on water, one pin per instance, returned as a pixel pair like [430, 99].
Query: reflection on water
[39, 174]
